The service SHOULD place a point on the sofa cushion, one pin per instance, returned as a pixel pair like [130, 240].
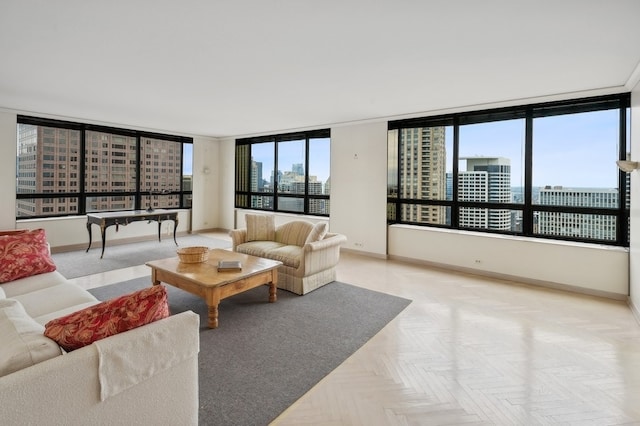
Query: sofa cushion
[108, 318]
[260, 227]
[317, 233]
[258, 248]
[295, 232]
[23, 341]
[24, 254]
[32, 283]
[54, 298]
[289, 255]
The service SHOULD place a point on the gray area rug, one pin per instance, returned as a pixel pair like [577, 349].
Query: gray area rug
[79, 263]
[264, 356]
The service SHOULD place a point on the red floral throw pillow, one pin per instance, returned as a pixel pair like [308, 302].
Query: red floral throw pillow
[23, 254]
[108, 318]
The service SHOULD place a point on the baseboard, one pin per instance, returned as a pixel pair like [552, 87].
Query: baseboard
[522, 280]
[365, 253]
[634, 310]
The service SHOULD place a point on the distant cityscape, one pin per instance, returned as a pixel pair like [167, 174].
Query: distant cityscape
[289, 182]
[488, 179]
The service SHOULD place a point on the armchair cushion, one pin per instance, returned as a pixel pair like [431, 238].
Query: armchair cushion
[317, 233]
[260, 227]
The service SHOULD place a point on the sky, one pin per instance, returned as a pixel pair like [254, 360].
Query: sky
[571, 151]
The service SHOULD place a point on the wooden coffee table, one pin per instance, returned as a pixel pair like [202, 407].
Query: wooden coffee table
[204, 280]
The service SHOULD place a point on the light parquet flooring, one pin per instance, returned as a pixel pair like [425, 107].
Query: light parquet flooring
[471, 350]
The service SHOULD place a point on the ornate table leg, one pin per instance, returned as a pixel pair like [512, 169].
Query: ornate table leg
[175, 226]
[89, 230]
[103, 232]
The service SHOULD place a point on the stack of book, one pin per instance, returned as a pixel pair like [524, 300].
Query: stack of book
[229, 265]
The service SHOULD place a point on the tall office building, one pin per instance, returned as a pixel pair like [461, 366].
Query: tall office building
[578, 225]
[485, 179]
[48, 161]
[422, 177]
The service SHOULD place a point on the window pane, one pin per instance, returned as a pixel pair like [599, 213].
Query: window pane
[98, 204]
[262, 202]
[262, 167]
[424, 162]
[187, 167]
[574, 152]
[319, 206]
[392, 168]
[416, 213]
[576, 225]
[47, 161]
[494, 219]
[491, 161]
[46, 206]
[291, 174]
[110, 162]
[319, 163]
[291, 204]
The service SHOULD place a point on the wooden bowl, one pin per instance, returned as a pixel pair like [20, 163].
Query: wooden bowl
[193, 254]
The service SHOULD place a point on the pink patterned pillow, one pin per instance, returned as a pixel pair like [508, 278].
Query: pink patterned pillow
[24, 254]
[108, 318]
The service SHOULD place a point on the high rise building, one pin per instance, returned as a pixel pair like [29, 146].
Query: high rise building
[48, 161]
[423, 167]
[578, 225]
[486, 179]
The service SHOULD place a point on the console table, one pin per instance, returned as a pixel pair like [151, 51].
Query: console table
[107, 219]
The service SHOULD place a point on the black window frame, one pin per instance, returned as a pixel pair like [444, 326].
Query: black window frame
[243, 158]
[527, 112]
[140, 195]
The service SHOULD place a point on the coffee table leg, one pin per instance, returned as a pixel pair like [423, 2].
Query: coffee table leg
[273, 295]
[213, 316]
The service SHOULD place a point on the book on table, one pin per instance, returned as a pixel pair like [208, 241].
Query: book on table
[229, 265]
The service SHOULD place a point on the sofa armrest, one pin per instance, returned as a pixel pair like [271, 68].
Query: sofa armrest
[238, 236]
[70, 383]
[323, 254]
[330, 240]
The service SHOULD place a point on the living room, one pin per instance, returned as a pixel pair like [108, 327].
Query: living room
[359, 139]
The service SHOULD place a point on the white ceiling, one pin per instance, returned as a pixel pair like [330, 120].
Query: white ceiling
[241, 67]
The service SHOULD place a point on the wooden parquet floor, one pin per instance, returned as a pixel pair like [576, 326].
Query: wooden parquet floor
[474, 351]
[477, 351]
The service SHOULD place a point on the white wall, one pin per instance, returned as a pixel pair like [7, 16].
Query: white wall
[359, 186]
[589, 268]
[634, 246]
[206, 184]
[8, 140]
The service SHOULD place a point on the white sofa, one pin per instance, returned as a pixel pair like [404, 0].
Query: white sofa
[152, 370]
[308, 253]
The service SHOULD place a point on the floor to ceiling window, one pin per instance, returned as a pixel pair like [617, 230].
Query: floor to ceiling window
[543, 170]
[286, 173]
[66, 168]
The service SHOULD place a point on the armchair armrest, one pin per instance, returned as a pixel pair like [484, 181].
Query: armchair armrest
[238, 236]
[330, 240]
[323, 254]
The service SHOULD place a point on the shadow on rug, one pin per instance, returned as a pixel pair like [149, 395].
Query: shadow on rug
[75, 264]
[264, 356]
